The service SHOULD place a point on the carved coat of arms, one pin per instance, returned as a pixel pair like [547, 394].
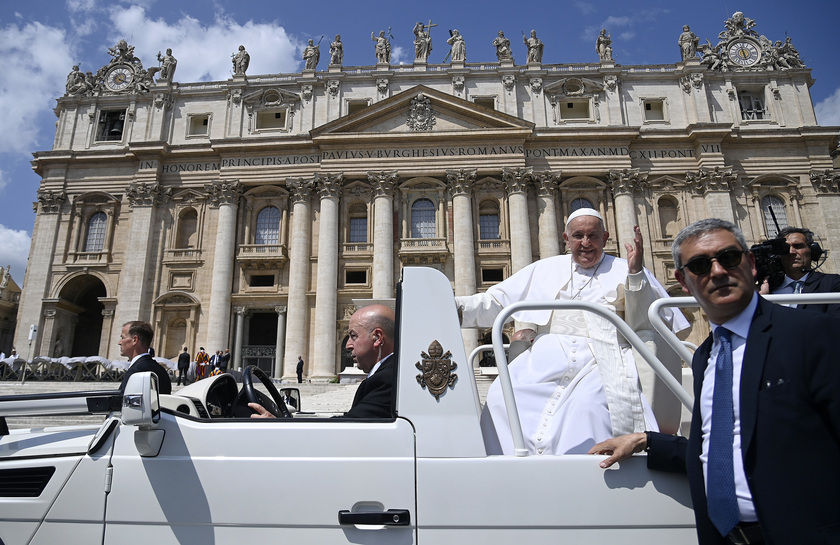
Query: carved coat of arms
[421, 117]
[436, 370]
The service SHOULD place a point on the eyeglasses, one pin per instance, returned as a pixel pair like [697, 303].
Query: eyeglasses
[728, 259]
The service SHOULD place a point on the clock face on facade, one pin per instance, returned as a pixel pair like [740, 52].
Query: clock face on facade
[743, 52]
[119, 78]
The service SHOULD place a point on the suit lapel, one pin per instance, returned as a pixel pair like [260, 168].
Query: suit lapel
[752, 369]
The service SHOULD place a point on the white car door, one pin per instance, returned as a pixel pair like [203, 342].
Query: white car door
[263, 481]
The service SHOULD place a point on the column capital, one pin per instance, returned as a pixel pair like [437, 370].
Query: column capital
[516, 179]
[281, 309]
[329, 186]
[51, 201]
[300, 189]
[461, 180]
[223, 192]
[705, 180]
[826, 181]
[384, 182]
[546, 182]
[147, 194]
[49, 313]
[240, 311]
[627, 181]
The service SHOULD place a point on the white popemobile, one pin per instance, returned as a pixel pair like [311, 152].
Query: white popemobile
[189, 469]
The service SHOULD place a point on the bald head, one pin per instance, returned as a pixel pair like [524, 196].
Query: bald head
[370, 335]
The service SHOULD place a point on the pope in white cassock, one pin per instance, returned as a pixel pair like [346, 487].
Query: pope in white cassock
[578, 384]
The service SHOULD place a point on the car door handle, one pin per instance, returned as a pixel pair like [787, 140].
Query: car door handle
[391, 517]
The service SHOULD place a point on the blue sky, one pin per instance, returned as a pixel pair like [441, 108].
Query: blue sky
[40, 40]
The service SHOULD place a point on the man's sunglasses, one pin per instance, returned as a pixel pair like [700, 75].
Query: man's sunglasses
[728, 259]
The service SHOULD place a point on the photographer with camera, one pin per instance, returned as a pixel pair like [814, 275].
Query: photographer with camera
[800, 275]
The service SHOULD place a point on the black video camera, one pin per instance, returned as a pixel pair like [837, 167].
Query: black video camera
[768, 263]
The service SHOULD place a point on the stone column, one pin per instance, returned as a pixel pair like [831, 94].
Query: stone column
[135, 290]
[297, 325]
[546, 184]
[460, 186]
[623, 184]
[717, 186]
[47, 334]
[107, 337]
[384, 183]
[39, 270]
[516, 184]
[326, 293]
[827, 187]
[280, 349]
[237, 341]
[225, 196]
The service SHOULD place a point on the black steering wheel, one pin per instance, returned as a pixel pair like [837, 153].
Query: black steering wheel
[249, 394]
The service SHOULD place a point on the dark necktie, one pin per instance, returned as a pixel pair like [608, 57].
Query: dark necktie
[797, 286]
[722, 501]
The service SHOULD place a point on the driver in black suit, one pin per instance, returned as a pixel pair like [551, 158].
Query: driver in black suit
[135, 339]
[371, 343]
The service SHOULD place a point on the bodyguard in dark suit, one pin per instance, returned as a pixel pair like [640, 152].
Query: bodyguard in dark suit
[135, 339]
[784, 415]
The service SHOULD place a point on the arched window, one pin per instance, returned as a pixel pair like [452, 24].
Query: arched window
[579, 203]
[423, 219]
[358, 231]
[772, 206]
[268, 226]
[95, 237]
[668, 216]
[188, 229]
[488, 220]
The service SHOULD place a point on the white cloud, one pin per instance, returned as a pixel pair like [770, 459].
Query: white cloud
[34, 61]
[204, 51]
[14, 251]
[828, 110]
[3, 180]
[585, 8]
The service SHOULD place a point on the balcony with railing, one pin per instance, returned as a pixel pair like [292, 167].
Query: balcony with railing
[88, 258]
[496, 246]
[358, 248]
[262, 256]
[182, 255]
[423, 250]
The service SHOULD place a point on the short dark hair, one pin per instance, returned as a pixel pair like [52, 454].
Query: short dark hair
[700, 228]
[143, 331]
[807, 233]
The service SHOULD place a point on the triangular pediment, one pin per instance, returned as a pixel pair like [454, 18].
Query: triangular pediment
[421, 111]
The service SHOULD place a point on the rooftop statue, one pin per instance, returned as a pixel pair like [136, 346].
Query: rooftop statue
[502, 45]
[167, 65]
[311, 55]
[742, 48]
[688, 43]
[535, 47]
[336, 51]
[240, 61]
[458, 52]
[603, 46]
[423, 41]
[382, 48]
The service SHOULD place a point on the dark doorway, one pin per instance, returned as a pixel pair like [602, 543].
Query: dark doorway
[261, 348]
[84, 292]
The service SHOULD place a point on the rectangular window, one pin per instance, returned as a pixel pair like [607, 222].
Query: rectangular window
[492, 275]
[354, 106]
[261, 280]
[111, 125]
[271, 120]
[488, 226]
[199, 125]
[752, 105]
[358, 230]
[485, 102]
[355, 277]
[576, 110]
[654, 110]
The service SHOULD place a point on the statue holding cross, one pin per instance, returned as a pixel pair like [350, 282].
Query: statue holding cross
[423, 41]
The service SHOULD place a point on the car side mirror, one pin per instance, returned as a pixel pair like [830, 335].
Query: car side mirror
[141, 404]
[291, 397]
